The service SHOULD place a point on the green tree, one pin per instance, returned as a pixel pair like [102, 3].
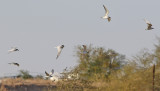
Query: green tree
[24, 74]
[97, 62]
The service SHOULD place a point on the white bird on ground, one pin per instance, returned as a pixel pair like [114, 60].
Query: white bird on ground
[149, 25]
[16, 64]
[59, 48]
[48, 75]
[106, 14]
[13, 49]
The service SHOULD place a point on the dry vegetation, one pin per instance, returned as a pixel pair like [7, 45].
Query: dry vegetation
[20, 81]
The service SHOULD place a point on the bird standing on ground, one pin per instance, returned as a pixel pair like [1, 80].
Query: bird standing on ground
[59, 48]
[106, 14]
[149, 25]
[16, 64]
[13, 49]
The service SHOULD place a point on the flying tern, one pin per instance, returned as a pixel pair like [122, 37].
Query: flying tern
[149, 25]
[59, 48]
[106, 14]
[16, 64]
[49, 74]
[13, 49]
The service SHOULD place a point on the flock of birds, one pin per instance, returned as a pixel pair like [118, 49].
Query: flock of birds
[59, 48]
[14, 49]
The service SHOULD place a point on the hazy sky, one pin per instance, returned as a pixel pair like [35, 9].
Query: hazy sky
[37, 26]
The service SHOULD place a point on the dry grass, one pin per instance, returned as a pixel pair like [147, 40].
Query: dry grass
[19, 81]
[137, 81]
[2, 88]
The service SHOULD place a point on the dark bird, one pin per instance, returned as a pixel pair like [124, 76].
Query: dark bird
[49, 74]
[16, 64]
[149, 25]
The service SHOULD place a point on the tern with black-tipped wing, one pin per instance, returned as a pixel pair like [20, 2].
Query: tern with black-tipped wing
[13, 63]
[106, 14]
[49, 74]
[13, 49]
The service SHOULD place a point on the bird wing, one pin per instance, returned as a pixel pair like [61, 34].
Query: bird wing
[59, 52]
[16, 64]
[51, 73]
[106, 10]
[10, 50]
[148, 22]
[13, 49]
[46, 73]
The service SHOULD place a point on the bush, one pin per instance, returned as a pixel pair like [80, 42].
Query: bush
[24, 74]
[96, 63]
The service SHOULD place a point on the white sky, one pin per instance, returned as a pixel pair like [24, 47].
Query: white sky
[37, 26]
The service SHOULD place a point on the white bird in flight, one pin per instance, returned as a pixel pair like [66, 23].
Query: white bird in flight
[59, 48]
[13, 49]
[149, 25]
[106, 14]
[49, 74]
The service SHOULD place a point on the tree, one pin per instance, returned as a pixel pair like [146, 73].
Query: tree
[24, 74]
[157, 51]
[97, 62]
